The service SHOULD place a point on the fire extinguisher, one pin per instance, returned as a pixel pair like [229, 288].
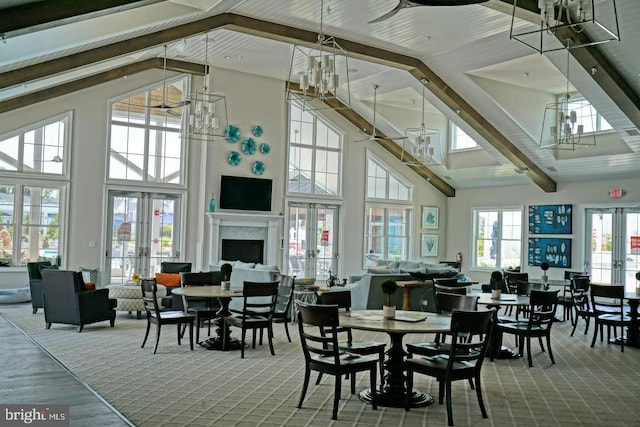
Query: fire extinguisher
[459, 261]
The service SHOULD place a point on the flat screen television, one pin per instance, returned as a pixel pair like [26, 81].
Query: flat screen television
[247, 194]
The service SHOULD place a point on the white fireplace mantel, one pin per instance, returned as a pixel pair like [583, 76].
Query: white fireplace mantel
[266, 225]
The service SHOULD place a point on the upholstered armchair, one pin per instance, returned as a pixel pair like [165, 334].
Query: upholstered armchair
[35, 283]
[67, 301]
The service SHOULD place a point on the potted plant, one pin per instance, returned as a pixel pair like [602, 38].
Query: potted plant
[544, 266]
[496, 284]
[226, 270]
[389, 287]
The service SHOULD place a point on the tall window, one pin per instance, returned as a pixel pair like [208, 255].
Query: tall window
[587, 115]
[497, 237]
[145, 143]
[315, 155]
[388, 213]
[460, 140]
[33, 164]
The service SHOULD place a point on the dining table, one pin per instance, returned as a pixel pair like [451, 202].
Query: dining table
[633, 331]
[222, 341]
[394, 390]
[495, 349]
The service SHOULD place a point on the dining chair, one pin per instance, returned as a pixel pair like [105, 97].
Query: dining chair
[464, 359]
[319, 328]
[204, 309]
[542, 309]
[282, 312]
[524, 289]
[512, 278]
[445, 303]
[155, 315]
[343, 300]
[565, 300]
[579, 291]
[257, 312]
[607, 302]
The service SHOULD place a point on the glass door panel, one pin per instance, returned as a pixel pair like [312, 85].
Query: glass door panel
[143, 234]
[312, 240]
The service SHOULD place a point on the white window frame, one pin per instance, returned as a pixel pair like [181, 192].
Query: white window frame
[597, 117]
[453, 139]
[315, 149]
[475, 239]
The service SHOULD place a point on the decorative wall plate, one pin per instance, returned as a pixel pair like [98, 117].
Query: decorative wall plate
[257, 131]
[258, 168]
[234, 158]
[248, 146]
[264, 148]
[232, 133]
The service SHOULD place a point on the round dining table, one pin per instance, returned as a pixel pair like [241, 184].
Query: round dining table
[394, 391]
[222, 340]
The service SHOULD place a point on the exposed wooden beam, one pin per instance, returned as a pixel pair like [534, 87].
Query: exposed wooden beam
[294, 35]
[96, 79]
[24, 17]
[361, 123]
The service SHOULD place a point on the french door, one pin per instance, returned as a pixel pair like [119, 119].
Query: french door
[313, 240]
[144, 231]
[613, 253]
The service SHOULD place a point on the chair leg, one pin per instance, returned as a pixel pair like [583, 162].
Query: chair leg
[336, 396]
[80, 328]
[198, 320]
[319, 378]
[440, 392]
[146, 334]
[155, 347]
[286, 329]
[305, 384]
[529, 351]
[353, 382]
[191, 335]
[479, 394]
[179, 334]
[270, 338]
[549, 347]
[575, 324]
[595, 335]
[244, 335]
[449, 406]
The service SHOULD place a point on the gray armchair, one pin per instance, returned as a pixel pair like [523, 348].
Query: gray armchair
[66, 300]
[35, 283]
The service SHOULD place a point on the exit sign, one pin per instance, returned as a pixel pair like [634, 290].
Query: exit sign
[616, 192]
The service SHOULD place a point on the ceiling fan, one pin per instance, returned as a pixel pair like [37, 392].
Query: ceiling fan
[406, 4]
[373, 136]
[164, 106]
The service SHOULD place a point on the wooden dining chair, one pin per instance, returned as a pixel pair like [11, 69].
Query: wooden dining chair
[204, 309]
[464, 359]
[343, 300]
[282, 312]
[581, 304]
[607, 302]
[155, 315]
[542, 309]
[319, 328]
[257, 312]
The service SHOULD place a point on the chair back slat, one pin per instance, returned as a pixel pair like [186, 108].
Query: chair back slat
[511, 279]
[447, 302]
[470, 331]
[607, 298]
[150, 296]
[285, 292]
[525, 288]
[321, 337]
[543, 306]
[259, 298]
[202, 278]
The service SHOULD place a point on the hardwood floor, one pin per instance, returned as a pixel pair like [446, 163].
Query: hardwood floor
[30, 376]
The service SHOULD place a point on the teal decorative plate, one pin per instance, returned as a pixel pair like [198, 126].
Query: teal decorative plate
[232, 133]
[257, 131]
[234, 158]
[248, 146]
[258, 168]
[264, 148]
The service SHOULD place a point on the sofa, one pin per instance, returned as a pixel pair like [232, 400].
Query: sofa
[367, 294]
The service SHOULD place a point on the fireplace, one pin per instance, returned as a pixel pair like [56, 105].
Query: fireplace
[243, 250]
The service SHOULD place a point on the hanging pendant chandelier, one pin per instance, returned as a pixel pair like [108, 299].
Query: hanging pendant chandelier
[568, 124]
[208, 118]
[597, 20]
[321, 70]
[425, 147]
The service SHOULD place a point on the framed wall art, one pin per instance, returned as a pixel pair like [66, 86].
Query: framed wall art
[555, 251]
[430, 216]
[550, 219]
[429, 245]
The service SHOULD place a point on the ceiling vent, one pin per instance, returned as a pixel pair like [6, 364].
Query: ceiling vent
[632, 131]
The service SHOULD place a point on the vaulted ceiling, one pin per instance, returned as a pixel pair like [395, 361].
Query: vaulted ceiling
[491, 86]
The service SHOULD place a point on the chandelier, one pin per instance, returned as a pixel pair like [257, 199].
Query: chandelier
[208, 116]
[426, 142]
[597, 20]
[322, 71]
[566, 123]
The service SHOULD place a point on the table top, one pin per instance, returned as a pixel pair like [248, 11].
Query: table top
[505, 299]
[552, 282]
[372, 320]
[207, 292]
[421, 283]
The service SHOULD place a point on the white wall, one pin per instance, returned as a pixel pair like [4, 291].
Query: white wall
[593, 193]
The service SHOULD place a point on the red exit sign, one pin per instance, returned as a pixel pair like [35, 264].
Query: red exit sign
[616, 192]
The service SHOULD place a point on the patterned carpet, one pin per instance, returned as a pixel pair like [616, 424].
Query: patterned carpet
[176, 387]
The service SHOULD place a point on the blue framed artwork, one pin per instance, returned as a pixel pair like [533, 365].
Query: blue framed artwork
[550, 219]
[555, 251]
